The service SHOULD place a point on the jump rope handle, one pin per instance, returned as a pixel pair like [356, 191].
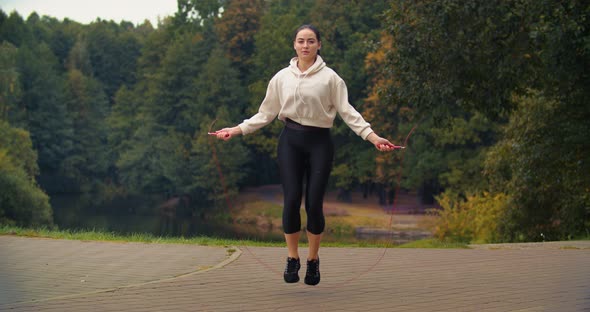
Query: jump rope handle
[215, 134]
[395, 146]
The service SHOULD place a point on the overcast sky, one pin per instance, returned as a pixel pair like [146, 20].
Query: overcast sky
[86, 11]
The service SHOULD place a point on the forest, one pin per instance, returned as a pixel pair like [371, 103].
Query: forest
[496, 93]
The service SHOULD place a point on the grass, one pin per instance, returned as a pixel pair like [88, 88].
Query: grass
[135, 237]
[433, 243]
[201, 240]
[260, 208]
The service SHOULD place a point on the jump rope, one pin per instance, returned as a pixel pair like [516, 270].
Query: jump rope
[394, 204]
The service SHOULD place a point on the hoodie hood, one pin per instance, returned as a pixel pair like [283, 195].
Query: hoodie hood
[316, 67]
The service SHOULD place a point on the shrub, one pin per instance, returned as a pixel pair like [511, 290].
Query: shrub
[476, 219]
[21, 201]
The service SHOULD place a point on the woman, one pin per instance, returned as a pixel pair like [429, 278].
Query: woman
[306, 96]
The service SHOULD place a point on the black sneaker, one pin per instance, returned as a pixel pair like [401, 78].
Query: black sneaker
[312, 276]
[292, 270]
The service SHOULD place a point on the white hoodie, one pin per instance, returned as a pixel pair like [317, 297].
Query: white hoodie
[311, 98]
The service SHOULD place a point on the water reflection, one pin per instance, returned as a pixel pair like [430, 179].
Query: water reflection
[146, 214]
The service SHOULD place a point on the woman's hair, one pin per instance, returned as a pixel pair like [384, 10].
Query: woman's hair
[312, 28]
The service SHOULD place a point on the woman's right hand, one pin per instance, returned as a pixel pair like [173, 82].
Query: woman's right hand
[227, 133]
[382, 144]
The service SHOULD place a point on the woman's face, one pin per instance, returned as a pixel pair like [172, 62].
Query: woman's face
[306, 45]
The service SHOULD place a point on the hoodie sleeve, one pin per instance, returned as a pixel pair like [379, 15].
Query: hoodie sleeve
[269, 109]
[349, 114]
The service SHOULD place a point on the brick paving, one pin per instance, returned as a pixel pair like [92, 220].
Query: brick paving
[61, 275]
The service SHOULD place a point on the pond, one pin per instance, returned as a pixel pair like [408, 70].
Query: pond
[159, 216]
[132, 214]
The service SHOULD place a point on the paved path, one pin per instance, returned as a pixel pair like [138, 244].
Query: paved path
[61, 275]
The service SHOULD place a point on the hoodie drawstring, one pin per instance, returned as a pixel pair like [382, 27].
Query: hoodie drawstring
[296, 92]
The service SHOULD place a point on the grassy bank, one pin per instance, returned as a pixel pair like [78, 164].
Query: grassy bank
[201, 240]
[135, 237]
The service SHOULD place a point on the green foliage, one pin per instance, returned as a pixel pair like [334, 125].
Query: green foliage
[451, 59]
[14, 30]
[217, 167]
[87, 104]
[459, 55]
[433, 243]
[343, 175]
[347, 28]
[137, 165]
[10, 89]
[542, 160]
[448, 157]
[21, 201]
[152, 124]
[236, 29]
[19, 148]
[476, 219]
[198, 12]
[172, 102]
[112, 53]
[133, 237]
[218, 85]
[46, 113]
[123, 120]
[156, 127]
[79, 58]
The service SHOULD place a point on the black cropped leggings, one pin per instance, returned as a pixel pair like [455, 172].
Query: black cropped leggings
[305, 157]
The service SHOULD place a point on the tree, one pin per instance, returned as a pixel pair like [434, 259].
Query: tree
[18, 147]
[448, 157]
[174, 103]
[523, 60]
[236, 29]
[347, 29]
[10, 88]
[273, 49]
[123, 120]
[451, 56]
[217, 168]
[46, 118]
[89, 159]
[21, 201]
[196, 15]
[542, 161]
[79, 59]
[65, 35]
[14, 29]
[218, 85]
[113, 51]
[155, 125]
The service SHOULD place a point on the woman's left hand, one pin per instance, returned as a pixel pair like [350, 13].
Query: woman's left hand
[227, 133]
